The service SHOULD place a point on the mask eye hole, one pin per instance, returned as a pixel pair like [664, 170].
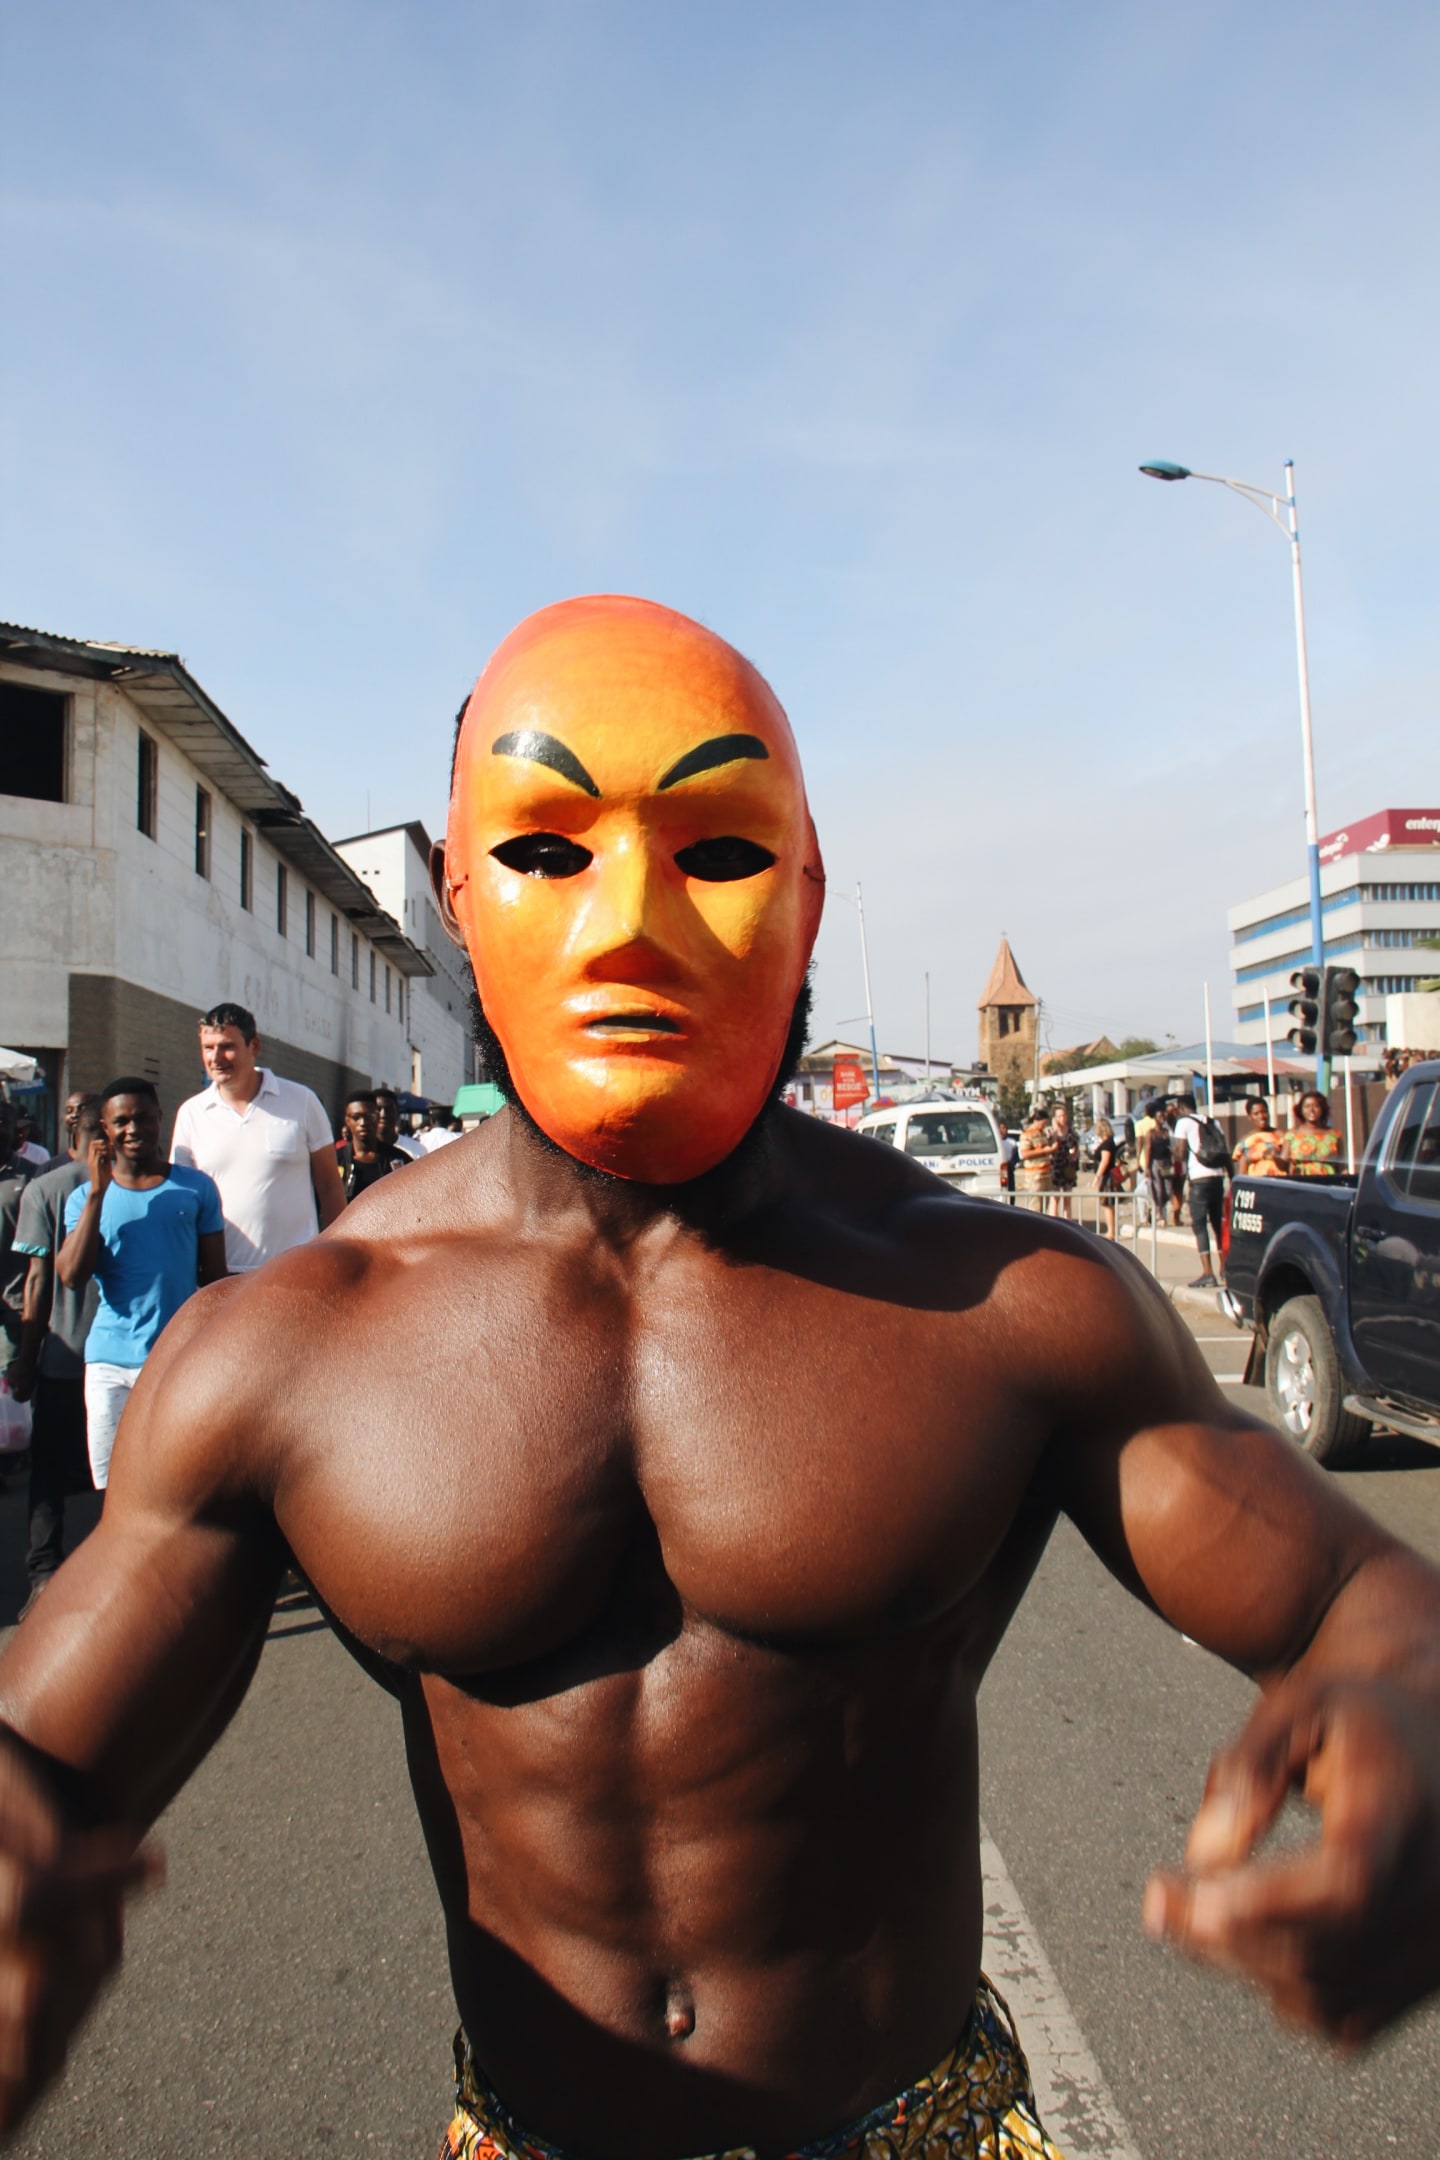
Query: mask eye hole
[543, 854]
[722, 861]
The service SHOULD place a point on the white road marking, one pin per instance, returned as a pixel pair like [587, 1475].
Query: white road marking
[1075, 2103]
[1233, 1338]
[1228, 1379]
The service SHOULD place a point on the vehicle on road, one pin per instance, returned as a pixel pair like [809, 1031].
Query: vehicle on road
[1341, 1283]
[957, 1138]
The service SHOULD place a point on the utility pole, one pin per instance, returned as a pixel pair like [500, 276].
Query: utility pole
[869, 1002]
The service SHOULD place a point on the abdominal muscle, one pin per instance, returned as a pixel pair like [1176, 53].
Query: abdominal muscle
[725, 1896]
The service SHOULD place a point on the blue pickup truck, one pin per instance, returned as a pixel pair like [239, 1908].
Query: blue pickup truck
[1340, 1279]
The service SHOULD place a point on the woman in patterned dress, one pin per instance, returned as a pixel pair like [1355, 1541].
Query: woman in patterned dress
[1312, 1146]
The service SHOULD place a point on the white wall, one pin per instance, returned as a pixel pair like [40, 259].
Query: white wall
[439, 1032]
[85, 891]
[1412, 1020]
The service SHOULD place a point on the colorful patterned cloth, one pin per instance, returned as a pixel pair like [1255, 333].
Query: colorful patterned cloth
[978, 2104]
[1036, 1149]
[1260, 1154]
[1313, 1150]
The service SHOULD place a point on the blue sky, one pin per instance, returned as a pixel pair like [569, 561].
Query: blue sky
[338, 338]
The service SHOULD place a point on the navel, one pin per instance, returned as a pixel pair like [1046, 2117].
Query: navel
[679, 2012]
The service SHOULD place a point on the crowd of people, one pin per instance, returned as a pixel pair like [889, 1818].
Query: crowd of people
[1398, 1061]
[1173, 1159]
[102, 1244]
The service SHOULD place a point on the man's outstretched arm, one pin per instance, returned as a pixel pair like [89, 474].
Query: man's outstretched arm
[119, 1680]
[1244, 1544]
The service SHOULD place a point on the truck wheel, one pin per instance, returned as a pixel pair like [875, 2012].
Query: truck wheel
[1302, 1379]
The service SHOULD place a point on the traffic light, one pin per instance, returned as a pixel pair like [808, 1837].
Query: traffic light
[1339, 1005]
[1305, 1005]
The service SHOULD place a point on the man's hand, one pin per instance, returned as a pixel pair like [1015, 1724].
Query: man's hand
[62, 1895]
[98, 1163]
[22, 1376]
[1345, 1935]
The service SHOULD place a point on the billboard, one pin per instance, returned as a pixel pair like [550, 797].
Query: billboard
[847, 1080]
[1383, 829]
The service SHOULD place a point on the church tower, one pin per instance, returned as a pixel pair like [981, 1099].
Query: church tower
[1009, 1017]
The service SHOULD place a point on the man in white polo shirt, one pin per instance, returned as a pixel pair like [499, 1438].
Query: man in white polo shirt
[266, 1142]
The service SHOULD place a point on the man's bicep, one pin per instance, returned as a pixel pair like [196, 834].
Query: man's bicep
[142, 1646]
[1223, 1526]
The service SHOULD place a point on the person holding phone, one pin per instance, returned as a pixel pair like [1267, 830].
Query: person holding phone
[149, 1232]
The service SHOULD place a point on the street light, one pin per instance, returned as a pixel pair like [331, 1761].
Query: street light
[1269, 504]
[858, 903]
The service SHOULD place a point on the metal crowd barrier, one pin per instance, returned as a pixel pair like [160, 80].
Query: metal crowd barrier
[1134, 1215]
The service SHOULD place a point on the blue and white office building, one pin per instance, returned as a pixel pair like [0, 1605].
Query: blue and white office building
[1380, 902]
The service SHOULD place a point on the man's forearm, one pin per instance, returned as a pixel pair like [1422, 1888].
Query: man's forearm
[27, 1350]
[1383, 1623]
[38, 1296]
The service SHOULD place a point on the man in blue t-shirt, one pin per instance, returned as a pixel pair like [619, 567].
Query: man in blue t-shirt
[149, 1232]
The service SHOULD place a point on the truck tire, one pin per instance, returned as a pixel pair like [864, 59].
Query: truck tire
[1302, 1380]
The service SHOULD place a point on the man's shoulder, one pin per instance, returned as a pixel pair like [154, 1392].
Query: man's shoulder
[46, 1195]
[289, 1092]
[1043, 1293]
[16, 1175]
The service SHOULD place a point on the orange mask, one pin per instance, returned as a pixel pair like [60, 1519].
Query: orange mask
[632, 864]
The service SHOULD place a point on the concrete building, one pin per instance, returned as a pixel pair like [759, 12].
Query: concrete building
[1380, 899]
[1099, 1051]
[395, 864]
[1009, 1019]
[151, 866]
[810, 1090]
[903, 1078]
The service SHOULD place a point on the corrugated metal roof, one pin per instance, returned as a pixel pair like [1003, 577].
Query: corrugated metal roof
[169, 696]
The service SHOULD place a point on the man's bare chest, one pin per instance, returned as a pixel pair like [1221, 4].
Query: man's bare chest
[806, 1465]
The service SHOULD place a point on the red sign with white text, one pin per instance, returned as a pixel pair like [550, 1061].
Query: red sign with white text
[1383, 829]
[848, 1081]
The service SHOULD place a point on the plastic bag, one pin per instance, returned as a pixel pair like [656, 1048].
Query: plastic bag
[14, 1422]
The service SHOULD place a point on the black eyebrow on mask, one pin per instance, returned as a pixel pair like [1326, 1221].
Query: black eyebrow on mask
[542, 749]
[720, 750]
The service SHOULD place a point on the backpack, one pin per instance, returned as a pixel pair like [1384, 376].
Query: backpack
[1212, 1153]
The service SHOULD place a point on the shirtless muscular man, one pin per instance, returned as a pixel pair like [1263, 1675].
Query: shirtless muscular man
[685, 1546]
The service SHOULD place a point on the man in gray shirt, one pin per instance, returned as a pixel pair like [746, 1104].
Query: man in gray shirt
[15, 1175]
[49, 1365]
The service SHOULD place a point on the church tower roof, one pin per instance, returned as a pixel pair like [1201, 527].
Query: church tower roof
[1006, 985]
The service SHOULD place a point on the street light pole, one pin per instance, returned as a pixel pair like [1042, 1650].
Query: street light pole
[1270, 505]
[1307, 744]
[869, 1002]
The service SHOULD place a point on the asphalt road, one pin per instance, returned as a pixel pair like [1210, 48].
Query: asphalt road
[286, 1995]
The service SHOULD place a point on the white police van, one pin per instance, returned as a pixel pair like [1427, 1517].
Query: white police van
[958, 1139]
